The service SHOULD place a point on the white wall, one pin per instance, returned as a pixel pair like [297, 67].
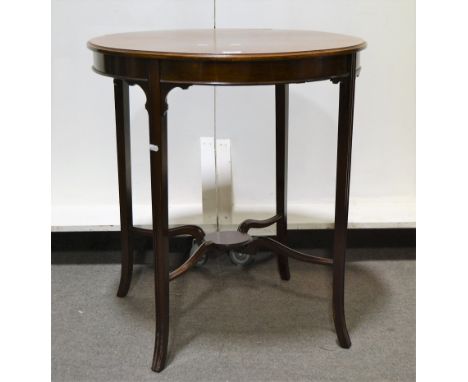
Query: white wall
[84, 168]
[84, 175]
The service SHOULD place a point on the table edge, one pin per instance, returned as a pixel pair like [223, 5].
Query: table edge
[226, 57]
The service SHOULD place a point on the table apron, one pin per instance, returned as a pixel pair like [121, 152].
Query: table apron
[200, 72]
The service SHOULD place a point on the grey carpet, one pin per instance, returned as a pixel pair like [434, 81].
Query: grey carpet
[229, 324]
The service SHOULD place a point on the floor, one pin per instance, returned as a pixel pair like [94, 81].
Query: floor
[233, 324]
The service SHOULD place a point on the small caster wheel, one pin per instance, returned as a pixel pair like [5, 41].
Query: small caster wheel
[202, 260]
[239, 258]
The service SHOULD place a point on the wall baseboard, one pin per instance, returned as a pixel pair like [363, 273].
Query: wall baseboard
[104, 246]
[369, 213]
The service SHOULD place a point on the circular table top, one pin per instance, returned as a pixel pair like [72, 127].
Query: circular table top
[232, 44]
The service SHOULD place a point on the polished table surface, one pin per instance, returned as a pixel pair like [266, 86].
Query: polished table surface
[159, 61]
[238, 44]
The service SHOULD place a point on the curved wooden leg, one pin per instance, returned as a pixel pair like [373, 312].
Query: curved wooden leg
[159, 196]
[285, 251]
[282, 106]
[192, 230]
[246, 225]
[345, 134]
[191, 261]
[122, 119]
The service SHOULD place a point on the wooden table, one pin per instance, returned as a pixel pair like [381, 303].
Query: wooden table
[158, 62]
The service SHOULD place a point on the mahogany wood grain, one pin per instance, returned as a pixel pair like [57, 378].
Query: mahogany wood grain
[159, 199]
[190, 230]
[285, 251]
[122, 122]
[191, 261]
[266, 72]
[246, 225]
[282, 121]
[231, 44]
[158, 61]
[343, 177]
